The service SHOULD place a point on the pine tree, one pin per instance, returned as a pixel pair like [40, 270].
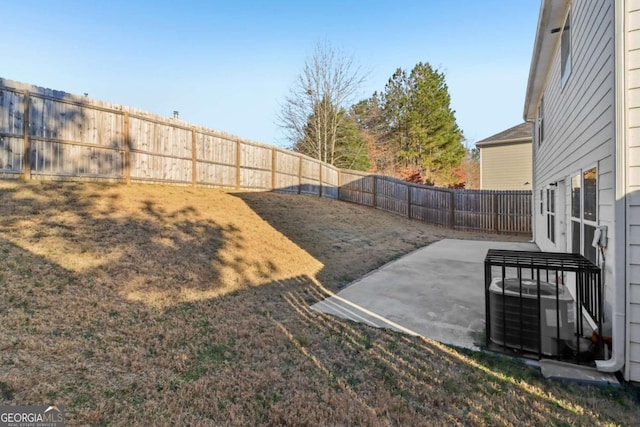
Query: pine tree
[413, 119]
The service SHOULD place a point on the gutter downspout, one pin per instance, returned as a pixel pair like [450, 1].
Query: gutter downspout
[620, 285]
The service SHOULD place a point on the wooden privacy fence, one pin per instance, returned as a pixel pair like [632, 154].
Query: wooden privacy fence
[499, 211]
[47, 134]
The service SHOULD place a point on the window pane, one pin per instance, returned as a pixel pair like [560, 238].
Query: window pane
[541, 202]
[575, 237]
[590, 195]
[548, 200]
[589, 251]
[575, 196]
[552, 201]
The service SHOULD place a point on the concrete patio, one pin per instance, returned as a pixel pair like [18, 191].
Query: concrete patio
[436, 292]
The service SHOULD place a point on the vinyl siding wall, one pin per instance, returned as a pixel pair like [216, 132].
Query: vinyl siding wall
[579, 127]
[633, 185]
[506, 166]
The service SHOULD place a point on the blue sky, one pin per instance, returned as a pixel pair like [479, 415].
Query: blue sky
[229, 65]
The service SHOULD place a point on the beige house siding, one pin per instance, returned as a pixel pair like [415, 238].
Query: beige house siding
[632, 155]
[506, 166]
[579, 129]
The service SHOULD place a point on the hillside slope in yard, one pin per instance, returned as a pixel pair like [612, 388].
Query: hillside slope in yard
[156, 305]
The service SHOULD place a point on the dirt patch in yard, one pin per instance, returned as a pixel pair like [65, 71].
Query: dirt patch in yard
[156, 305]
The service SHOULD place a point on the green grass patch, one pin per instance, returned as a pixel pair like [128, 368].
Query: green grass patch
[6, 392]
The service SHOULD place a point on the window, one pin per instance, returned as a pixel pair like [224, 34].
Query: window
[551, 214]
[565, 49]
[541, 202]
[590, 207]
[584, 213]
[540, 122]
[590, 212]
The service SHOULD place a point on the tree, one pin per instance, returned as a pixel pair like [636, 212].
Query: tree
[413, 120]
[313, 112]
[474, 153]
[471, 166]
[367, 115]
[421, 121]
[350, 150]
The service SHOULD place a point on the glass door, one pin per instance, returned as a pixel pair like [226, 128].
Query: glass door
[584, 213]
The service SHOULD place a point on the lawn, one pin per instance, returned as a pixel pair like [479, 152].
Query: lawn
[158, 305]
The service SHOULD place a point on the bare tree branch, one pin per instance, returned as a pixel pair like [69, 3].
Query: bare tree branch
[311, 113]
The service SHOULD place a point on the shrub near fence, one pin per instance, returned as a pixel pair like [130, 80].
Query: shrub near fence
[46, 134]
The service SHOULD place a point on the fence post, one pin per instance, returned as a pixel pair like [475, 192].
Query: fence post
[274, 159]
[320, 189]
[375, 190]
[26, 155]
[299, 174]
[496, 226]
[194, 157]
[409, 201]
[127, 149]
[238, 158]
[339, 182]
[452, 209]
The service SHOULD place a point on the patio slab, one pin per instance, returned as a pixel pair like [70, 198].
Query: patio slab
[436, 292]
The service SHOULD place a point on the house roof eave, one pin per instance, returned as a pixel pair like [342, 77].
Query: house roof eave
[552, 16]
[517, 133]
[505, 141]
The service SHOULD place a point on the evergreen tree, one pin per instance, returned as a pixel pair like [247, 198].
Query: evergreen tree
[368, 116]
[413, 119]
[350, 150]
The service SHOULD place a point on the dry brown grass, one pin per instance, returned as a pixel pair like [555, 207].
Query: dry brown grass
[154, 305]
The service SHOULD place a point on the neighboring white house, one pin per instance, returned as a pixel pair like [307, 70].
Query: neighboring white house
[505, 159]
[583, 100]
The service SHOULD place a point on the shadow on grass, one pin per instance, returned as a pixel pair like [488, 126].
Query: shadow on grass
[154, 253]
[447, 385]
[349, 240]
[253, 355]
[258, 356]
